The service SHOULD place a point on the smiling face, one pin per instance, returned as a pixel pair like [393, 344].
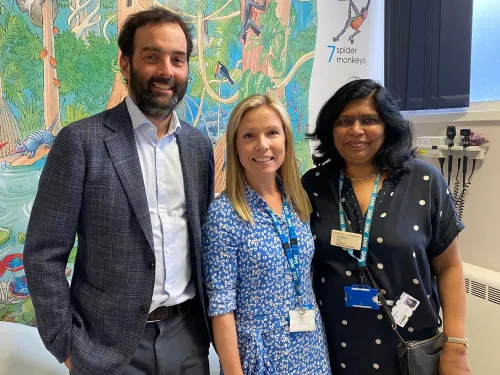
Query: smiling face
[157, 72]
[358, 133]
[260, 144]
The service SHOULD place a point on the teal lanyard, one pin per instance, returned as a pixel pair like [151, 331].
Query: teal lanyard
[290, 245]
[368, 220]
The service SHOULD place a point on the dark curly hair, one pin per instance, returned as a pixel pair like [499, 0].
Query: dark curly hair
[397, 149]
[153, 16]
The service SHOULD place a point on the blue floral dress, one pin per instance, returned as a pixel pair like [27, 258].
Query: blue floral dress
[246, 271]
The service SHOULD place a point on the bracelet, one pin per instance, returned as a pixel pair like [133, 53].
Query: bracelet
[457, 340]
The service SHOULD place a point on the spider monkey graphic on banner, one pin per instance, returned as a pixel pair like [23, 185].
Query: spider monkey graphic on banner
[354, 21]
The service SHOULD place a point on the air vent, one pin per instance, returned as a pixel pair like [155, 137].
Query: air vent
[494, 295]
[467, 286]
[478, 289]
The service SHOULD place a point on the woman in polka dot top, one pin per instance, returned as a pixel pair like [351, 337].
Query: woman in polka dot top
[411, 245]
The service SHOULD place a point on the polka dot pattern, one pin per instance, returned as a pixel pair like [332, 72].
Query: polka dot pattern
[405, 229]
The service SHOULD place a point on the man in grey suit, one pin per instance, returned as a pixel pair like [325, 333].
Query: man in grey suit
[134, 183]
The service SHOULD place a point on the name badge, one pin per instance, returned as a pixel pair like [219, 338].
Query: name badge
[361, 296]
[302, 320]
[404, 309]
[347, 240]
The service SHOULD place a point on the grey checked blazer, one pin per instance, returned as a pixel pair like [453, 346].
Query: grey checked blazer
[92, 186]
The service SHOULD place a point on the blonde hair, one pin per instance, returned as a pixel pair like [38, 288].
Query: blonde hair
[289, 171]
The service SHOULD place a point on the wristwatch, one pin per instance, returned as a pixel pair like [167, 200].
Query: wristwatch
[456, 340]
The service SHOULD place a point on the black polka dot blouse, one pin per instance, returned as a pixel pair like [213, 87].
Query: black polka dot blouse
[414, 221]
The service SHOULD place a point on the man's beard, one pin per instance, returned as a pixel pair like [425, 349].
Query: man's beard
[148, 102]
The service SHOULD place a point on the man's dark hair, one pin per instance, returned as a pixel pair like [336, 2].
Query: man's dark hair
[397, 150]
[153, 16]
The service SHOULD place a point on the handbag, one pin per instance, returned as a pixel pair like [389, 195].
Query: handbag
[415, 357]
[421, 357]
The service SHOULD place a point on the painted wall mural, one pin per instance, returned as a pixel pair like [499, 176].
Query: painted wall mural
[59, 64]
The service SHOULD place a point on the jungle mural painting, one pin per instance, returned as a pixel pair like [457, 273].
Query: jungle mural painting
[59, 64]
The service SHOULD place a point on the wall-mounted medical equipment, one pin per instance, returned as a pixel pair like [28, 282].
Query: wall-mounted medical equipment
[462, 147]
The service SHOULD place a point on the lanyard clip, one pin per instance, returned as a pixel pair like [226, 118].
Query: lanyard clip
[361, 270]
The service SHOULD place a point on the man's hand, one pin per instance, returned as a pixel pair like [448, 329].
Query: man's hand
[67, 362]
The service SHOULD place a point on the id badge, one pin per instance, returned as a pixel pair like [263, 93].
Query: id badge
[302, 320]
[346, 240]
[361, 296]
[404, 309]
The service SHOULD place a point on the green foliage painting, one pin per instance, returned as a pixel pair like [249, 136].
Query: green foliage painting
[61, 68]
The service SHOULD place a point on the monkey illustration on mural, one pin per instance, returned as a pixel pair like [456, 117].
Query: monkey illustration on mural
[354, 21]
[248, 23]
[34, 10]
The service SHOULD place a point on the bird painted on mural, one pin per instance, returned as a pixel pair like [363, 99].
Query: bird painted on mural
[222, 73]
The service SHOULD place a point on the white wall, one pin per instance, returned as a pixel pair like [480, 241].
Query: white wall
[478, 242]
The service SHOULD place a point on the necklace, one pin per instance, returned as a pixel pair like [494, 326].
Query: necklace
[362, 178]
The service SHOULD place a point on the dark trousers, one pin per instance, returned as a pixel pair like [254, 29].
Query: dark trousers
[175, 346]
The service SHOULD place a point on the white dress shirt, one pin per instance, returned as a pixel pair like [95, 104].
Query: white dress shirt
[162, 175]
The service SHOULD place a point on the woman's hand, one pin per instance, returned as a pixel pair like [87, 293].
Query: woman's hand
[454, 360]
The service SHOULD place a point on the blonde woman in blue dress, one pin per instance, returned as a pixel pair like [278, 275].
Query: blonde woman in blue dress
[257, 252]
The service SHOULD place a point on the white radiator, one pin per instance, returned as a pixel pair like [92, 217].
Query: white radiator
[483, 319]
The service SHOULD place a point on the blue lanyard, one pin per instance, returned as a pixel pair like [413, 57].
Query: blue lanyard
[368, 220]
[290, 245]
